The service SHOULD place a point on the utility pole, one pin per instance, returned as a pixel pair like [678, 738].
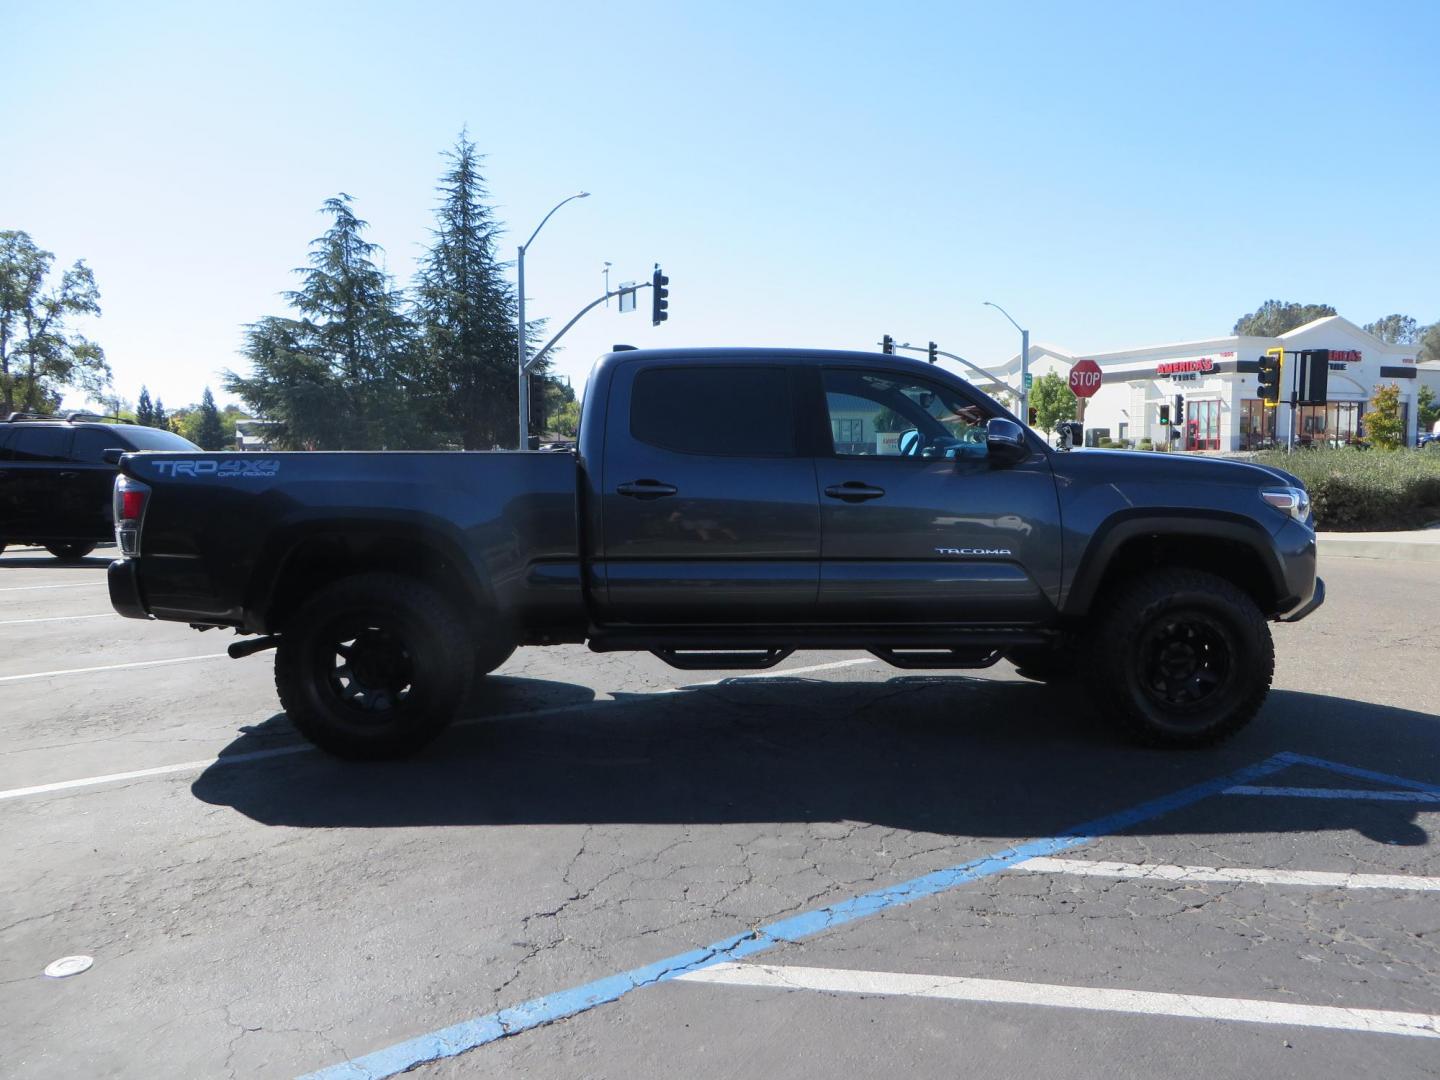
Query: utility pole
[1024, 363]
[522, 372]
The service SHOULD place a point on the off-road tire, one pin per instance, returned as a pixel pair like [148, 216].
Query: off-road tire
[373, 667]
[70, 552]
[1043, 663]
[1179, 658]
[490, 654]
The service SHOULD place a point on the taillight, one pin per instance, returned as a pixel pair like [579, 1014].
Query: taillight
[131, 498]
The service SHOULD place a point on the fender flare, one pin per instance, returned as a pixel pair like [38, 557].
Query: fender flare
[1122, 527]
[286, 540]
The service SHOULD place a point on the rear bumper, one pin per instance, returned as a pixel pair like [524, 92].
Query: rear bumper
[124, 585]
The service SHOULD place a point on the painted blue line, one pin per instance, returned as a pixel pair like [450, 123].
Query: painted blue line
[470, 1034]
[1359, 773]
[1335, 793]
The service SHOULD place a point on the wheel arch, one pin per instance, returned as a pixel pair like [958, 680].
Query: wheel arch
[301, 560]
[1231, 546]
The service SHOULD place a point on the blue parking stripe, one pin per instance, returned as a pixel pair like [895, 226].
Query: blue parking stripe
[1359, 773]
[470, 1034]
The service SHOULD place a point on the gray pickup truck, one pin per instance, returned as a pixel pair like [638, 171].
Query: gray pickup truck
[725, 507]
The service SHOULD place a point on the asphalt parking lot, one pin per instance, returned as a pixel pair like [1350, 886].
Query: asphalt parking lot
[834, 868]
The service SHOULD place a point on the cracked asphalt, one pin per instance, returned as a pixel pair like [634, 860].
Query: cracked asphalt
[264, 917]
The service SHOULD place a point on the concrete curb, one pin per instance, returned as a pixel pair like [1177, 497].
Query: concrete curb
[1425, 547]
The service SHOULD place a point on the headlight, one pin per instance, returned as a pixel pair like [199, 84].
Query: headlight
[1294, 501]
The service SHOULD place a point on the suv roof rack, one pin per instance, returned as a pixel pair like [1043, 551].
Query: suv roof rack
[16, 417]
[96, 416]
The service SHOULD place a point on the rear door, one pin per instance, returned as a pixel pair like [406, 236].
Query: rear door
[88, 490]
[917, 524]
[709, 511]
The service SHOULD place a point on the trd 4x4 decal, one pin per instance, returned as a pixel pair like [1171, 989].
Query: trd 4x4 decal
[230, 469]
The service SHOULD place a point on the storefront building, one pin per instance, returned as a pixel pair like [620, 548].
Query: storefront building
[1203, 395]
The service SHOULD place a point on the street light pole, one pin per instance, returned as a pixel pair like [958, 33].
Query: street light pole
[521, 348]
[1024, 362]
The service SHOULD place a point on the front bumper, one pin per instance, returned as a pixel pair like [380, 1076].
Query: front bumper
[124, 585]
[1310, 605]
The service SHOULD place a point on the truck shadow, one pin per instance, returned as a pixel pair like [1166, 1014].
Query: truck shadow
[949, 755]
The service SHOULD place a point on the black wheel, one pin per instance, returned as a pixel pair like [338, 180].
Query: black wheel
[1180, 658]
[373, 667]
[1043, 663]
[490, 654]
[70, 552]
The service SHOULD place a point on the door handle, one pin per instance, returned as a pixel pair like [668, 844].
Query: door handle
[854, 491]
[67, 475]
[647, 489]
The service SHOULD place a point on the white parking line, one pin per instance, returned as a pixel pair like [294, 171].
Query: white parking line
[112, 667]
[1333, 793]
[159, 770]
[56, 618]
[1166, 872]
[299, 748]
[73, 585]
[1094, 999]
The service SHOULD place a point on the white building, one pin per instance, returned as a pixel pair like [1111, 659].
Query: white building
[1216, 382]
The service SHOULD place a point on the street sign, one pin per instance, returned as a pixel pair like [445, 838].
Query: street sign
[1029, 380]
[1084, 378]
[627, 296]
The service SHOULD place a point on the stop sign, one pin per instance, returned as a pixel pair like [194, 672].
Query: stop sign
[1085, 378]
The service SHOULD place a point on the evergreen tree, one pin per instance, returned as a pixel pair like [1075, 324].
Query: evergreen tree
[160, 419]
[210, 434]
[1276, 317]
[341, 376]
[1384, 422]
[144, 411]
[466, 311]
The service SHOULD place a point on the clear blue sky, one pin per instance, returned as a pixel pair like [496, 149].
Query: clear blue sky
[808, 174]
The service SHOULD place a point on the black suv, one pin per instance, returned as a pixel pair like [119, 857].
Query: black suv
[55, 484]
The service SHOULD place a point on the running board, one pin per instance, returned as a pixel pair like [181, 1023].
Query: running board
[938, 658]
[712, 660]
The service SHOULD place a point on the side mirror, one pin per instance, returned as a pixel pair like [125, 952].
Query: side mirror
[112, 456]
[1005, 441]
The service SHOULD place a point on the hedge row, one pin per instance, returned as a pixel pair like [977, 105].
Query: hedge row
[1367, 490]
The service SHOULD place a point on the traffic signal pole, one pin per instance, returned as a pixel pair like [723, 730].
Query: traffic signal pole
[545, 349]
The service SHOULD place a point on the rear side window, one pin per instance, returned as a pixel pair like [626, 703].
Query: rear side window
[740, 411]
[91, 443]
[149, 438]
[39, 444]
[4, 444]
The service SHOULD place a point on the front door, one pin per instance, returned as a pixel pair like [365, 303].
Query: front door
[917, 525]
[709, 508]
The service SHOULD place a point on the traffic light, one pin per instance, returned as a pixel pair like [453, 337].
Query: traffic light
[1268, 378]
[659, 297]
[1164, 414]
[887, 345]
[934, 353]
[1179, 408]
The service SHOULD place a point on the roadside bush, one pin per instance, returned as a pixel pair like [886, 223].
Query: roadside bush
[1146, 444]
[1360, 491]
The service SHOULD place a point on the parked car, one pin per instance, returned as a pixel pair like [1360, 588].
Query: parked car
[724, 508]
[55, 484]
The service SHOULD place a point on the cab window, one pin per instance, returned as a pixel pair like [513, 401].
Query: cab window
[718, 411]
[874, 414]
[91, 443]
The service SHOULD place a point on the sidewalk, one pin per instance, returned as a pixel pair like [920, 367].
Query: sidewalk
[1420, 544]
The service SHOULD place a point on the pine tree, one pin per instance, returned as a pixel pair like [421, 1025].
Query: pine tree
[160, 419]
[144, 411]
[210, 433]
[341, 376]
[466, 311]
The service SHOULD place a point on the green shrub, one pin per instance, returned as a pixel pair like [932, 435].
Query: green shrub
[1355, 490]
[1146, 444]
